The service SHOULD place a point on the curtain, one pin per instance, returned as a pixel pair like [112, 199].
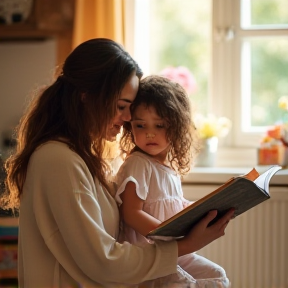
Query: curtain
[98, 18]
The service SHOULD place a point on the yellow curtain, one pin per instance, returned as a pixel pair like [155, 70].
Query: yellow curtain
[98, 18]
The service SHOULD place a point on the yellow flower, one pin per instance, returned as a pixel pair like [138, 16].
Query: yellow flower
[283, 103]
[211, 126]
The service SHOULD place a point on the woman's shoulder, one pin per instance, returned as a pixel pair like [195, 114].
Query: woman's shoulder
[55, 156]
[56, 152]
[53, 148]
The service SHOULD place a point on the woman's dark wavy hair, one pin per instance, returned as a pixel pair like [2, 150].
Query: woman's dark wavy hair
[78, 106]
[172, 103]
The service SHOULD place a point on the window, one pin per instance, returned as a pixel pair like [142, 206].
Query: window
[166, 35]
[261, 39]
[236, 50]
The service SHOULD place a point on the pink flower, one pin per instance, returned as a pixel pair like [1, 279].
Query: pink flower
[182, 76]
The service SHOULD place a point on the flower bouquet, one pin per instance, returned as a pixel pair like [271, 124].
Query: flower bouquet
[182, 76]
[210, 128]
[274, 144]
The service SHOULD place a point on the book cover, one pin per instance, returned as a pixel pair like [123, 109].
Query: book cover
[241, 192]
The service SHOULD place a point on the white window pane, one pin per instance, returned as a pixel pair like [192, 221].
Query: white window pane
[264, 13]
[180, 36]
[264, 80]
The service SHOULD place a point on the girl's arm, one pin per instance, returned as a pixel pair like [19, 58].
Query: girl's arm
[132, 211]
[201, 235]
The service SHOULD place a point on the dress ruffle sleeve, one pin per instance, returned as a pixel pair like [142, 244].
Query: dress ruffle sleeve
[133, 168]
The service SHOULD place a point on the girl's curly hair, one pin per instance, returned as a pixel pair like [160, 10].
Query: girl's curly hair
[171, 102]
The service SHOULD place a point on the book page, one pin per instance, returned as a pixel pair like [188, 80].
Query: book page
[264, 179]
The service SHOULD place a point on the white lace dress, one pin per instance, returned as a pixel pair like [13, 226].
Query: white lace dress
[160, 188]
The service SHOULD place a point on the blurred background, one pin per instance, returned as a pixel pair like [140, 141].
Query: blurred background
[236, 52]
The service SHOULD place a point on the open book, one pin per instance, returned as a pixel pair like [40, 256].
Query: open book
[241, 192]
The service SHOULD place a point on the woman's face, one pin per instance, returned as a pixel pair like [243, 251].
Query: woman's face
[127, 96]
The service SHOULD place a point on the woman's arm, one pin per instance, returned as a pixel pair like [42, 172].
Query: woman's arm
[78, 222]
[132, 211]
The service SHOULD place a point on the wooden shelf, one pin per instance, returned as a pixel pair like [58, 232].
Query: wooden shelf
[27, 32]
[48, 19]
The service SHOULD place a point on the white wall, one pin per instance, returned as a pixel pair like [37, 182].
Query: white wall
[23, 66]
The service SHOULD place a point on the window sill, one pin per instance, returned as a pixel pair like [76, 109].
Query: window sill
[236, 157]
[220, 175]
[231, 162]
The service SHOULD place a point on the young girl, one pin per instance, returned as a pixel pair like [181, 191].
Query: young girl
[160, 143]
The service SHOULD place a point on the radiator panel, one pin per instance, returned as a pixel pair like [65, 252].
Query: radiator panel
[254, 250]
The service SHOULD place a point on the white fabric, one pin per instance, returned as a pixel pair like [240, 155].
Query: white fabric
[150, 175]
[160, 188]
[68, 225]
[157, 184]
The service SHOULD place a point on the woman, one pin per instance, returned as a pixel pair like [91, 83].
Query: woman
[68, 219]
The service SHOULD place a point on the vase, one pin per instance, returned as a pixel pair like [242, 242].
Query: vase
[207, 155]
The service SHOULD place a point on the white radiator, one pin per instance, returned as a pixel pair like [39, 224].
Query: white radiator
[254, 250]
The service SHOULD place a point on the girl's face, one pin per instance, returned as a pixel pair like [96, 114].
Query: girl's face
[149, 131]
[127, 96]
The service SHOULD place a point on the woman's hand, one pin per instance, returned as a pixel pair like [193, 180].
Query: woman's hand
[201, 235]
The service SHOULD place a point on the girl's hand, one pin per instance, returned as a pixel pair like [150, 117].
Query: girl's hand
[201, 235]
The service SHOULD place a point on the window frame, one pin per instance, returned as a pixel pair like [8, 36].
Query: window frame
[238, 148]
[226, 73]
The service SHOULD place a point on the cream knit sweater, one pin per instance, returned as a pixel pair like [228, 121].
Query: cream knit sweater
[68, 226]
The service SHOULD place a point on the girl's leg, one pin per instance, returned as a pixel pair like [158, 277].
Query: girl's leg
[206, 273]
[200, 267]
[181, 279]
